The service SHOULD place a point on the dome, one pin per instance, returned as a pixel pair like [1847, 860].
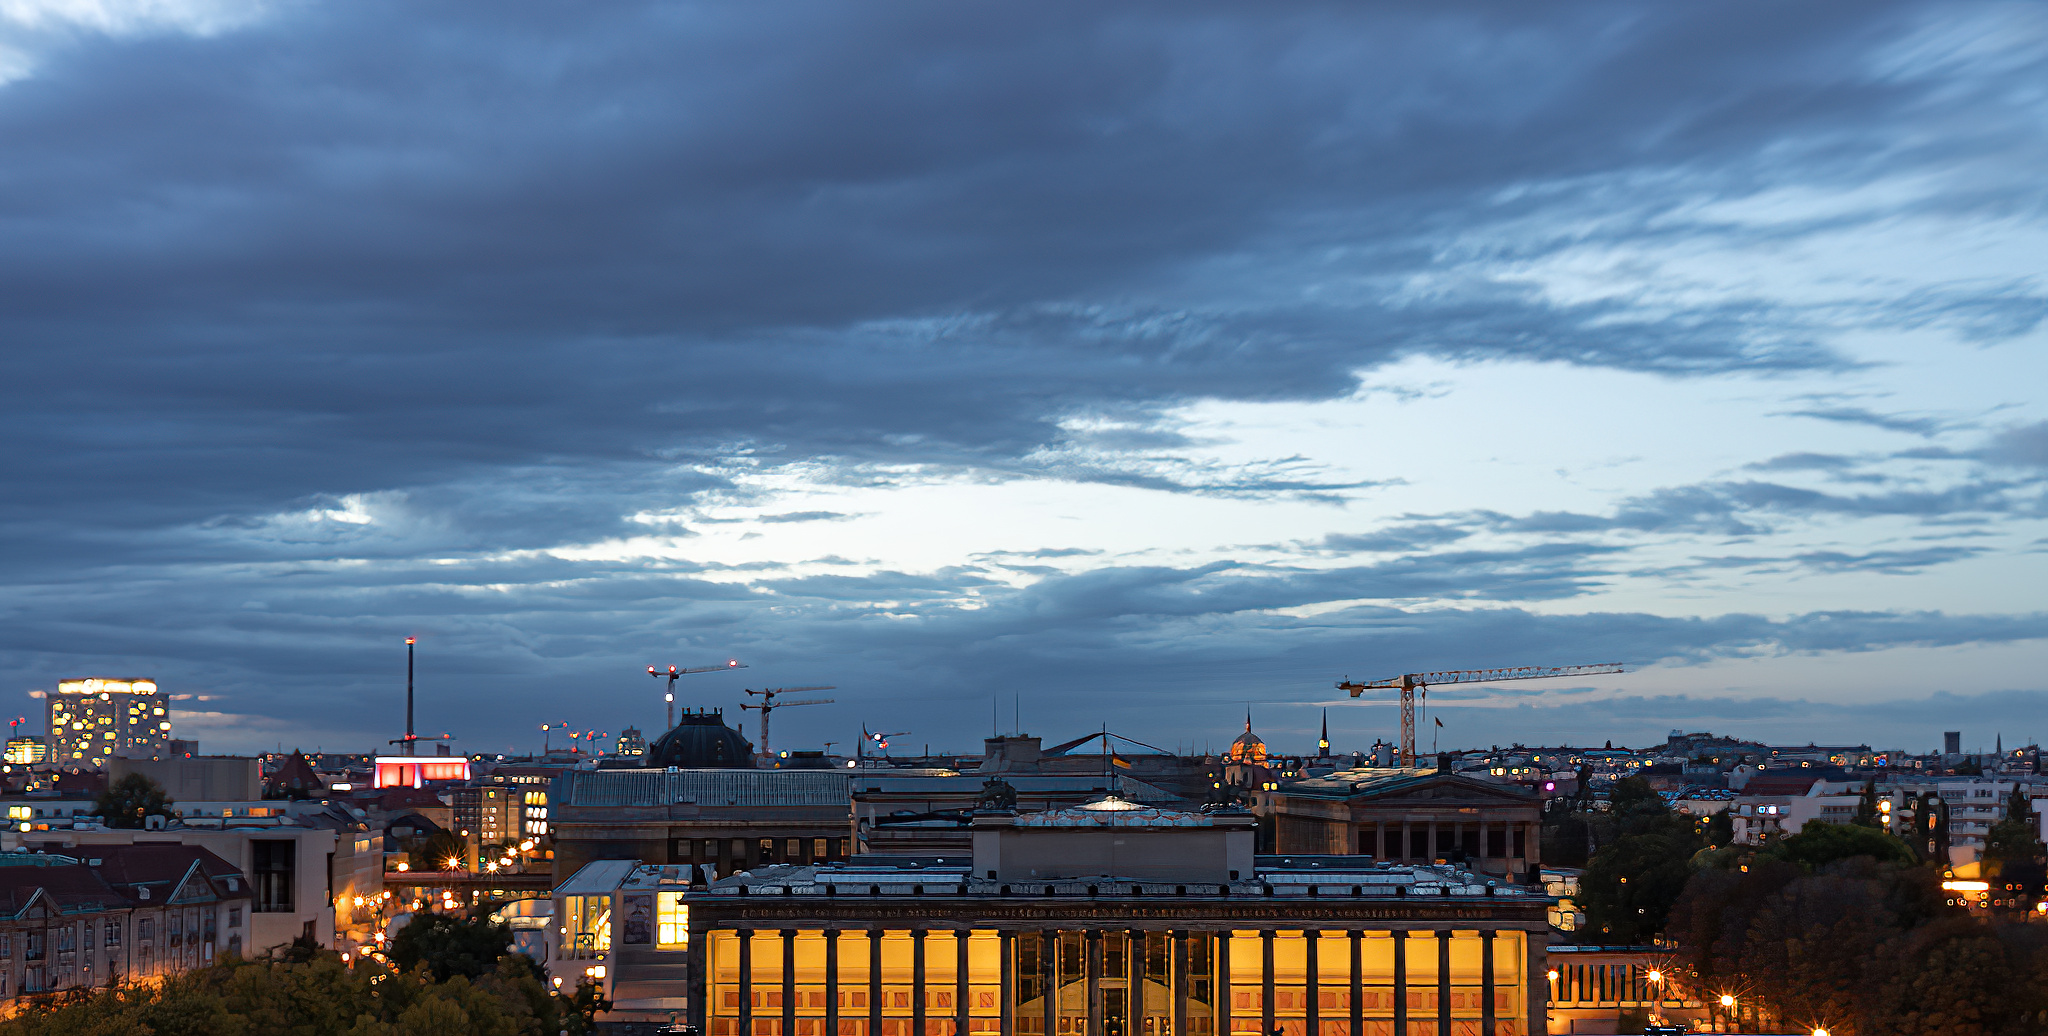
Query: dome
[1109, 804]
[1247, 748]
[701, 741]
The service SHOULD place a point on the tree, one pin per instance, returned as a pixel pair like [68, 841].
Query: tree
[433, 852]
[1710, 922]
[1630, 885]
[1957, 977]
[1867, 813]
[129, 801]
[1818, 845]
[1809, 944]
[448, 945]
[1717, 828]
[318, 997]
[2017, 835]
[1564, 835]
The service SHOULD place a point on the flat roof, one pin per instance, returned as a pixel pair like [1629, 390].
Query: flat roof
[1289, 877]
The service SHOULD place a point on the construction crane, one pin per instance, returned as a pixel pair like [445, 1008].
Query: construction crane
[1414, 685]
[877, 738]
[673, 672]
[769, 705]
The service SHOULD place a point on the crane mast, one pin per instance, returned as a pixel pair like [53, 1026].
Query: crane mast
[769, 705]
[673, 674]
[1414, 686]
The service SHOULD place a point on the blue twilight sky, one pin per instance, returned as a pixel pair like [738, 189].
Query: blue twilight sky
[1080, 363]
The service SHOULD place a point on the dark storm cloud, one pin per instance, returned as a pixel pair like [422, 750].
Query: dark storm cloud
[498, 279]
[1641, 721]
[366, 246]
[506, 638]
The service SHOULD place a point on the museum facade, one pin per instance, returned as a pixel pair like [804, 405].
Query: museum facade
[1112, 919]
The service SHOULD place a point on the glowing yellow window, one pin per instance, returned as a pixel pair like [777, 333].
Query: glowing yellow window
[671, 921]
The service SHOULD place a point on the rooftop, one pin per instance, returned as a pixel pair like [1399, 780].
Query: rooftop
[1111, 811]
[1279, 877]
[702, 787]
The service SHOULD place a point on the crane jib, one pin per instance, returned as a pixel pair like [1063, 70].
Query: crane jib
[1409, 684]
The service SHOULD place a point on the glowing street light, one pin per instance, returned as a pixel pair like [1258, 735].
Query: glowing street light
[1727, 1000]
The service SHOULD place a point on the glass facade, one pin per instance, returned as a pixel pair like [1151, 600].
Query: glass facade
[1111, 982]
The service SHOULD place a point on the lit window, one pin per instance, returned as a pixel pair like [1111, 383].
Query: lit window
[672, 921]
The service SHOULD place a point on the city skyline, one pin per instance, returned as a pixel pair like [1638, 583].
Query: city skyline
[1097, 367]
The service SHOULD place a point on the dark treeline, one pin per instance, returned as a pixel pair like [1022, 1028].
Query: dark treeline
[1841, 926]
[448, 976]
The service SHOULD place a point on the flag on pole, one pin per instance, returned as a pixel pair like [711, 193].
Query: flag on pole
[1439, 720]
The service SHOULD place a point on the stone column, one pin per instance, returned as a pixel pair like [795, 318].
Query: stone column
[1223, 1003]
[789, 980]
[1093, 978]
[1177, 981]
[960, 987]
[698, 979]
[1134, 989]
[1313, 987]
[746, 980]
[1400, 982]
[874, 983]
[1357, 982]
[1443, 982]
[1266, 980]
[1486, 991]
[1379, 840]
[917, 1011]
[1407, 851]
[832, 982]
[1006, 995]
[1050, 1003]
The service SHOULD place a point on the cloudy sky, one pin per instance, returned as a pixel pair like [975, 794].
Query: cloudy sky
[1076, 364]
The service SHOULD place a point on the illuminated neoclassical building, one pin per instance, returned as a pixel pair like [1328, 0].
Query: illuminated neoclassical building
[1113, 919]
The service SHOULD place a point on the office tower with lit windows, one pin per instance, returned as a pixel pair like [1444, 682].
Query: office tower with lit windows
[95, 719]
[27, 750]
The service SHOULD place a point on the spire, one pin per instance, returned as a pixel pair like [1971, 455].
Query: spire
[1247, 719]
[1323, 745]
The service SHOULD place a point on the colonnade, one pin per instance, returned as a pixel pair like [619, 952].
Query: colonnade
[1115, 982]
[1398, 840]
